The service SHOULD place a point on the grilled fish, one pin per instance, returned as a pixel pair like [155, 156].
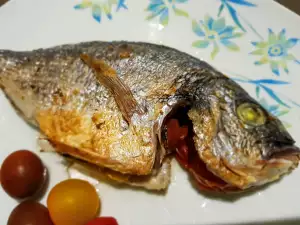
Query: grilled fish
[125, 107]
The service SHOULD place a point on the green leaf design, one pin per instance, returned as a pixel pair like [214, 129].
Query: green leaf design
[83, 5]
[283, 112]
[237, 35]
[151, 16]
[263, 102]
[281, 35]
[257, 91]
[272, 37]
[215, 50]
[262, 61]
[179, 12]
[291, 42]
[286, 124]
[156, 13]
[230, 45]
[290, 57]
[260, 44]
[107, 9]
[274, 67]
[259, 51]
[197, 29]
[221, 9]
[219, 24]
[164, 19]
[201, 44]
[208, 20]
[283, 64]
[113, 2]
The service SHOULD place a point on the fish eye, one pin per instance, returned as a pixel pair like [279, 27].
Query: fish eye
[251, 114]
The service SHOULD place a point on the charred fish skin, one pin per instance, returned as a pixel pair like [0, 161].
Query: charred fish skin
[60, 93]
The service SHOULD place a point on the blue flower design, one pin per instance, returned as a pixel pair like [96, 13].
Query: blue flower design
[275, 51]
[233, 13]
[214, 32]
[101, 7]
[161, 9]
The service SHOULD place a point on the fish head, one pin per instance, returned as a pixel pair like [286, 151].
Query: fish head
[236, 143]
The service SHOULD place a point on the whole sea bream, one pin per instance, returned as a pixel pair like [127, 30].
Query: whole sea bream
[124, 108]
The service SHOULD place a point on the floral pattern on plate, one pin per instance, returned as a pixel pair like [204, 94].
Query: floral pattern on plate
[162, 8]
[236, 17]
[220, 32]
[214, 32]
[102, 7]
[275, 51]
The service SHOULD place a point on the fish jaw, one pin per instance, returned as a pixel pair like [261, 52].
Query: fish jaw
[251, 174]
[231, 171]
[268, 170]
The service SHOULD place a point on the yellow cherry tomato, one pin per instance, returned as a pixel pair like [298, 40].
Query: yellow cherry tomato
[73, 202]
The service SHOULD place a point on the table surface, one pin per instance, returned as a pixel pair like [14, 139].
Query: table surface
[291, 4]
[2, 2]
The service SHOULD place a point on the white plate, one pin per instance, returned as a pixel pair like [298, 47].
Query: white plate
[29, 24]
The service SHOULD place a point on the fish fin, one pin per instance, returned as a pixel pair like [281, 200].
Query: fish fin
[44, 144]
[95, 174]
[122, 94]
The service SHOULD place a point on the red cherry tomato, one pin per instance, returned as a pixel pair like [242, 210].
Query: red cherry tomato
[103, 221]
[22, 174]
[29, 213]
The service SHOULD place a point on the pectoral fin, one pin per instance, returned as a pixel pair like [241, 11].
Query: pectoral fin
[108, 77]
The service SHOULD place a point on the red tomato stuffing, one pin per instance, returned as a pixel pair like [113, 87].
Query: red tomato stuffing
[175, 133]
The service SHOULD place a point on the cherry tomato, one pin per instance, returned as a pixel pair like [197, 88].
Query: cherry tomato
[29, 213]
[73, 202]
[103, 221]
[22, 174]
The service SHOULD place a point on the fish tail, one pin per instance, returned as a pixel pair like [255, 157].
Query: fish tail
[3, 61]
[6, 56]
[8, 62]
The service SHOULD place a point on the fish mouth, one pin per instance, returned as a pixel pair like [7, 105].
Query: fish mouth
[289, 153]
[179, 138]
[286, 152]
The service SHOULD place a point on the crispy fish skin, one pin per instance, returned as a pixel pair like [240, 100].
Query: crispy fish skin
[70, 93]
